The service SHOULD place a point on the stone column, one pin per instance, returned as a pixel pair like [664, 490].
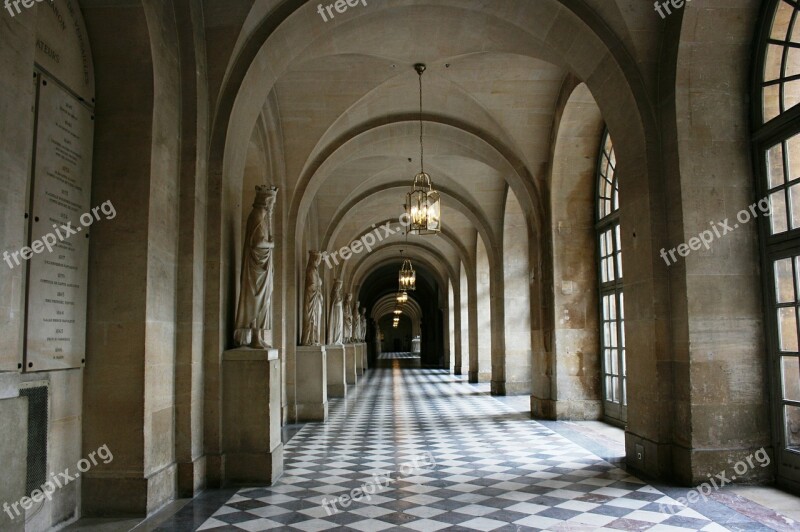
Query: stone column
[312, 383]
[251, 417]
[337, 381]
[350, 364]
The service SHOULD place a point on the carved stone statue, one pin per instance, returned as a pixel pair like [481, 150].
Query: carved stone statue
[356, 323]
[314, 302]
[348, 318]
[336, 320]
[254, 311]
[363, 324]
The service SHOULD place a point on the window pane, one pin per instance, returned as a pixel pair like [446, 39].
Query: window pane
[775, 166]
[793, 427]
[793, 156]
[790, 369]
[792, 63]
[780, 24]
[625, 392]
[791, 94]
[794, 197]
[784, 281]
[778, 218]
[787, 329]
[624, 362]
[771, 102]
[772, 66]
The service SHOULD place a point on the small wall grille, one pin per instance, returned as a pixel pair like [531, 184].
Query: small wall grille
[37, 436]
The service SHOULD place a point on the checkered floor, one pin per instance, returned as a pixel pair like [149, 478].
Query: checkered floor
[398, 356]
[426, 452]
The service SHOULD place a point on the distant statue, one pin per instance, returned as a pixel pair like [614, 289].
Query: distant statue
[356, 323]
[314, 302]
[254, 312]
[336, 320]
[363, 324]
[348, 319]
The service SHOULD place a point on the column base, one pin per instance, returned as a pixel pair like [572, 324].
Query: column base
[191, 478]
[499, 388]
[255, 468]
[473, 377]
[127, 497]
[575, 410]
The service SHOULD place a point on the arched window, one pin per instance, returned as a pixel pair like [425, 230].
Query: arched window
[777, 152]
[780, 74]
[612, 300]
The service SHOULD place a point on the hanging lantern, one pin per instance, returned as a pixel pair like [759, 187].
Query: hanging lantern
[402, 297]
[408, 277]
[398, 312]
[424, 207]
[423, 203]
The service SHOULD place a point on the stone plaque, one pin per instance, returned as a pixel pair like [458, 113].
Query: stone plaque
[60, 195]
[62, 46]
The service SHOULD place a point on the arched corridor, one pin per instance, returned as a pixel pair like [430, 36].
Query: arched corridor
[237, 233]
[423, 450]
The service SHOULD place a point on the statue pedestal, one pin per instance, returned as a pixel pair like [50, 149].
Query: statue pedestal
[312, 384]
[359, 359]
[364, 357]
[251, 422]
[337, 382]
[351, 373]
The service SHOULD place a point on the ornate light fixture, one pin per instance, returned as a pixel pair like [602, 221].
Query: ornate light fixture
[402, 297]
[423, 203]
[398, 312]
[408, 277]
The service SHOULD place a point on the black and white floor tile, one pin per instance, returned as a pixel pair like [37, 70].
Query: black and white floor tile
[421, 450]
[398, 356]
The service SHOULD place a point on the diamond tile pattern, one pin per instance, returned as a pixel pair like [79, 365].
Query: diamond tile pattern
[425, 452]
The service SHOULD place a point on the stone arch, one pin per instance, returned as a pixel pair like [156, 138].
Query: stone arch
[566, 384]
[463, 361]
[513, 371]
[482, 371]
[386, 305]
